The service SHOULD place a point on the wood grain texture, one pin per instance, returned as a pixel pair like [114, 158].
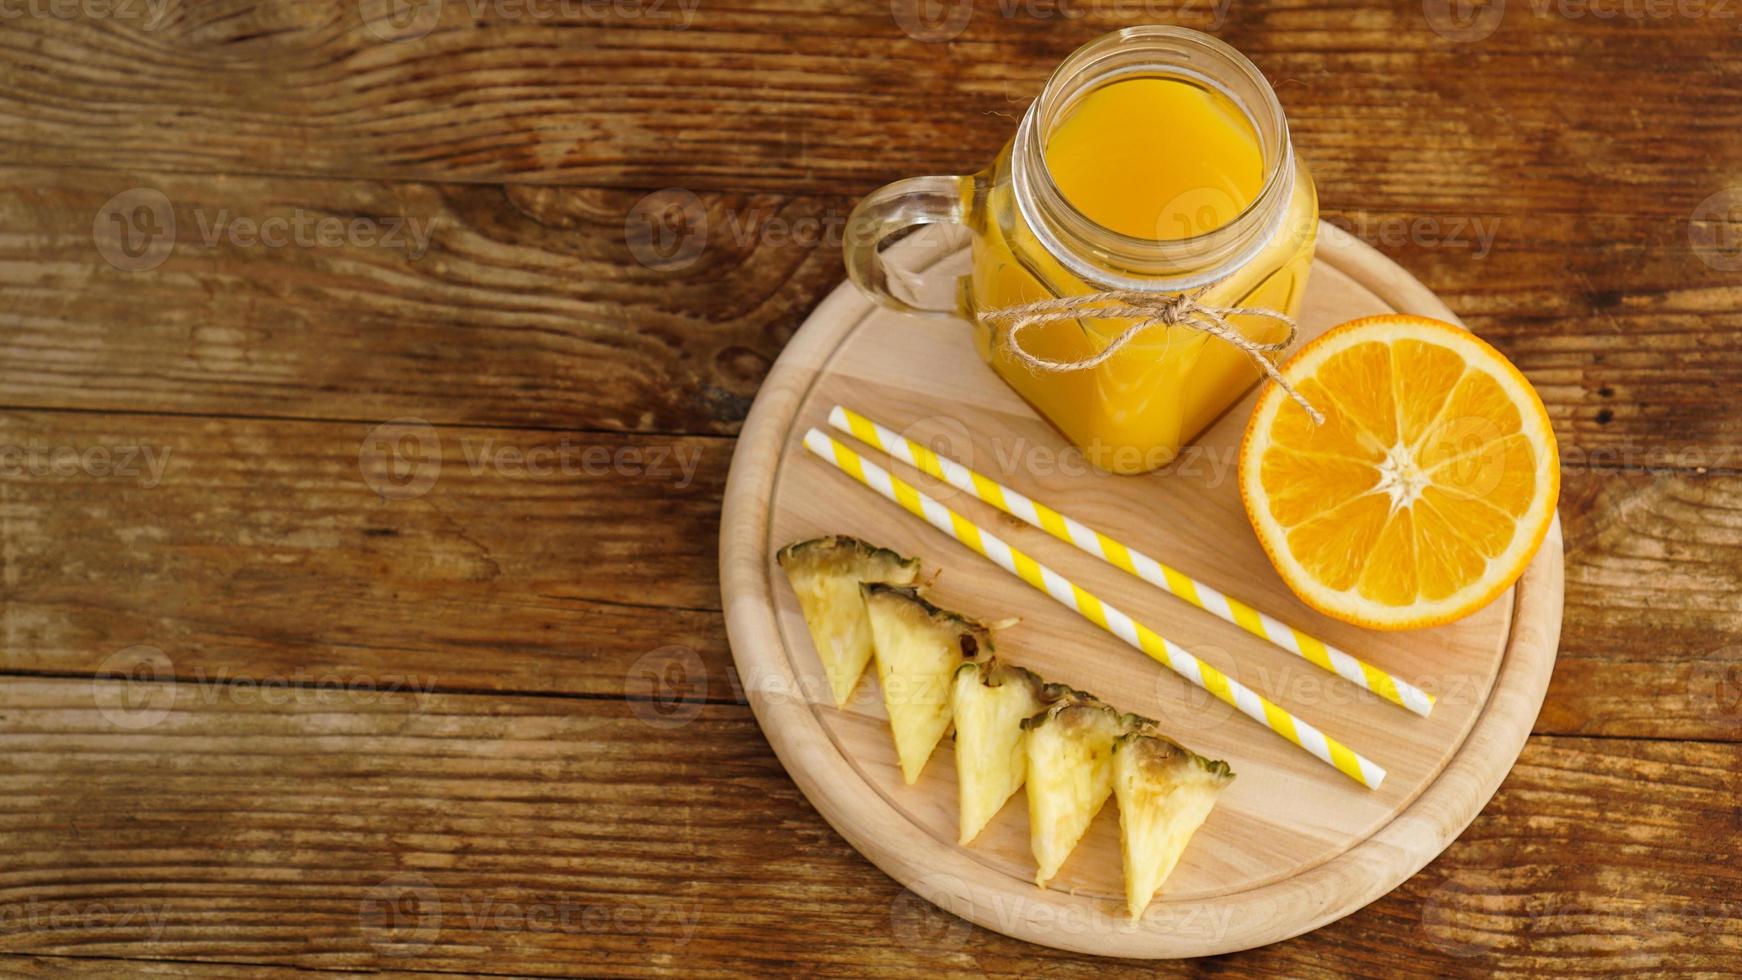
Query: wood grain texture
[478, 305]
[261, 833]
[28, 967]
[1650, 646]
[450, 590]
[538, 307]
[532, 560]
[1546, 180]
[788, 95]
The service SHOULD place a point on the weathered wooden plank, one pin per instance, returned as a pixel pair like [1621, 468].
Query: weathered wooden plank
[549, 836]
[1651, 645]
[302, 552]
[265, 551]
[24, 967]
[330, 299]
[538, 307]
[839, 97]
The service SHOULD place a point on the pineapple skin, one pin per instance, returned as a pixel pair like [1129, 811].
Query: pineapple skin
[1165, 792]
[990, 701]
[1070, 774]
[918, 647]
[825, 573]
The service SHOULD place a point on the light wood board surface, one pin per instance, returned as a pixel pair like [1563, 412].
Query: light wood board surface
[1293, 844]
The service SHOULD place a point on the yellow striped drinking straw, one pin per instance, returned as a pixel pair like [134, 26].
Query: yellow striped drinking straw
[1127, 559]
[1243, 699]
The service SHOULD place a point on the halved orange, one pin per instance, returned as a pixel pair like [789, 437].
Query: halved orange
[1426, 491]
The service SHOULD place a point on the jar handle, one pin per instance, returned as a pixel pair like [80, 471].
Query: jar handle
[888, 213]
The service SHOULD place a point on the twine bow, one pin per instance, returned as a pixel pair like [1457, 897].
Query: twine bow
[1149, 310]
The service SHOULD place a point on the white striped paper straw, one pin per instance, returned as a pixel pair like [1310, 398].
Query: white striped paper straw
[1127, 559]
[1243, 699]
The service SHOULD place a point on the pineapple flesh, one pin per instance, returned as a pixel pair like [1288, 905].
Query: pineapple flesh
[1072, 750]
[826, 574]
[1070, 773]
[989, 701]
[1165, 792]
[918, 648]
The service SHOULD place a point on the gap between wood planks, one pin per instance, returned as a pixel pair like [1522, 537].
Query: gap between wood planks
[1585, 466]
[262, 969]
[344, 420]
[443, 689]
[852, 190]
[734, 702]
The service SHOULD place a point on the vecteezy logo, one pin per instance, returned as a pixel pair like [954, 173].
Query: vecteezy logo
[1206, 711]
[1195, 212]
[400, 20]
[1715, 686]
[917, 923]
[948, 439]
[402, 916]
[1451, 918]
[1715, 230]
[401, 459]
[1463, 21]
[667, 687]
[1468, 452]
[667, 230]
[135, 229]
[134, 688]
[932, 20]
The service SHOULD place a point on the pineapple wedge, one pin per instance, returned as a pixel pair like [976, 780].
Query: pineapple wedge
[826, 573]
[918, 649]
[1070, 773]
[1164, 791]
[989, 702]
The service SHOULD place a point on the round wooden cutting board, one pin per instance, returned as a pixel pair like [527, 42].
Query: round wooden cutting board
[1293, 844]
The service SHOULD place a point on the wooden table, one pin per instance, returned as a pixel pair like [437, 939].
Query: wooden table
[286, 690]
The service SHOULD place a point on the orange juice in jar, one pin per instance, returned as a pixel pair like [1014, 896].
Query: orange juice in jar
[1156, 161]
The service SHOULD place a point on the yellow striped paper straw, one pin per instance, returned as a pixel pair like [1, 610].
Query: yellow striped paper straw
[1298, 642]
[1245, 700]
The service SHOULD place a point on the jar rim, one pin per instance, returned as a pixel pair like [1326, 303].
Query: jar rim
[1103, 255]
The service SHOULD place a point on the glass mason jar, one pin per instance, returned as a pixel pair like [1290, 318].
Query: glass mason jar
[1131, 412]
